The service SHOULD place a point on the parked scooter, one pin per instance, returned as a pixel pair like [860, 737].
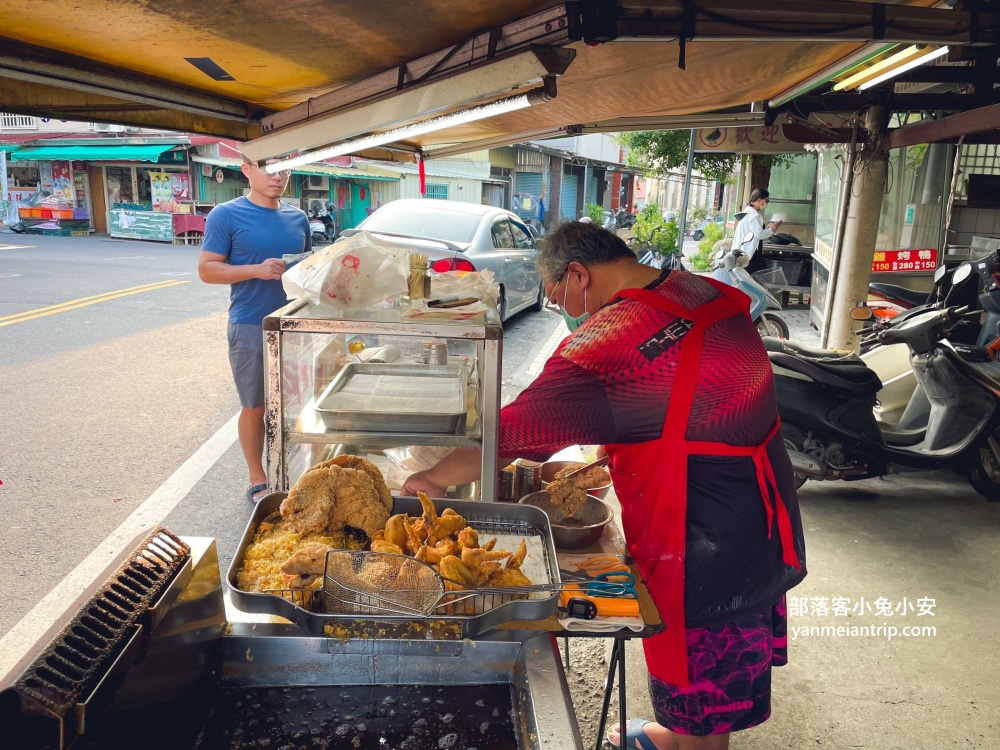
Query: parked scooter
[321, 225]
[734, 261]
[826, 404]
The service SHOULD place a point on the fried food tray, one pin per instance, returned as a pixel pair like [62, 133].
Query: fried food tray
[376, 397]
[481, 613]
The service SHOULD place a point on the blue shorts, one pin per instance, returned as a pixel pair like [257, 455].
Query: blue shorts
[246, 358]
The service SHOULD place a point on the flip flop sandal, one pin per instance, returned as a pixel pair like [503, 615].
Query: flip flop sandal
[635, 736]
[254, 490]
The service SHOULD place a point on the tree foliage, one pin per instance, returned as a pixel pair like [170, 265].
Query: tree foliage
[659, 151]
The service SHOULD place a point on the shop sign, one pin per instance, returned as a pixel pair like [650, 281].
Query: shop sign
[219, 176]
[79, 166]
[889, 261]
[141, 225]
[745, 140]
[908, 219]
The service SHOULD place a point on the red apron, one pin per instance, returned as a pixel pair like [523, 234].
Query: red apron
[651, 482]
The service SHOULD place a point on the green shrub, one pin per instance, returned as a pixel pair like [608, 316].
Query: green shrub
[663, 236]
[697, 215]
[714, 232]
[596, 213]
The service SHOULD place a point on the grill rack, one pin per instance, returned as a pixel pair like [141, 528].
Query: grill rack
[476, 614]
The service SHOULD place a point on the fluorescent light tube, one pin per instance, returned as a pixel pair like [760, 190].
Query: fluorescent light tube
[894, 59]
[838, 68]
[932, 55]
[462, 117]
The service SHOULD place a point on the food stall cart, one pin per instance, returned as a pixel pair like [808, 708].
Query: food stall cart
[318, 365]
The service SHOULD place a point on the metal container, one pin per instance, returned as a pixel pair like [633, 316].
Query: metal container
[584, 529]
[491, 610]
[551, 468]
[507, 486]
[528, 477]
[435, 353]
[351, 417]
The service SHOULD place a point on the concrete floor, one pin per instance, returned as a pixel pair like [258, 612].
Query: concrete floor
[917, 536]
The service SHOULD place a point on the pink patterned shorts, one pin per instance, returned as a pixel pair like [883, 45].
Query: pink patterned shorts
[729, 667]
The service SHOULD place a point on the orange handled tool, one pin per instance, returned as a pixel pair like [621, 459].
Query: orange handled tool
[606, 606]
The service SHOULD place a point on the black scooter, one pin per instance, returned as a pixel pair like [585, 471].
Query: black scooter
[826, 400]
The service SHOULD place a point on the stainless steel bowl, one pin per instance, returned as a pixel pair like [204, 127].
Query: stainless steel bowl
[549, 469]
[584, 529]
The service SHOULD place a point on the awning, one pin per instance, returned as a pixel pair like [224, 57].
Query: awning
[361, 172]
[90, 153]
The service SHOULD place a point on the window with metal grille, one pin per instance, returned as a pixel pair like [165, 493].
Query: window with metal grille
[17, 122]
[981, 158]
[437, 191]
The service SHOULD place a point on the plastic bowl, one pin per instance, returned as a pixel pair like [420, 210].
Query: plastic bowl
[549, 469]
[584, 529]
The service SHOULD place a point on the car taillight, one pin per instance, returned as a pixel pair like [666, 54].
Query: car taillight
[451, 264]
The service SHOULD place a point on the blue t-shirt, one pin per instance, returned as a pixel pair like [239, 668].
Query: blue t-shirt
[247, 234]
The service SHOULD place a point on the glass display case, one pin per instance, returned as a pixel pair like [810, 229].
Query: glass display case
[373, 383]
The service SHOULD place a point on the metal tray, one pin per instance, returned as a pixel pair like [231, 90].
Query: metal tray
[491, 610]
[394, 421]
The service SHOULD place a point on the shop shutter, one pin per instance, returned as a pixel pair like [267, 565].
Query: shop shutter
[568, 197]
[527, 194]
[591, 188]
[493, 194]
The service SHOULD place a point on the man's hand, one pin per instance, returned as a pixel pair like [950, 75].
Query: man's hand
[271, 269]
[422, 482]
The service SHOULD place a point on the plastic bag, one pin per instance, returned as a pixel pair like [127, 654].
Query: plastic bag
[480, 284]
[350, 275]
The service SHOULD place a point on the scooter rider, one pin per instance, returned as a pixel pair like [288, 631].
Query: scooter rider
[751, 225]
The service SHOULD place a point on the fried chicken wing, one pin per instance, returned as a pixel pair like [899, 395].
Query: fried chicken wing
[509, 577]
[306, 565]
[490, 544]
[382, 545]
[468, 538]
[456, 571]
[517, 559]
[395, 530]
[476, 557]
[448, 546]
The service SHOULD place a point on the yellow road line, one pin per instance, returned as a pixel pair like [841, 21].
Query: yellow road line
[42, 312]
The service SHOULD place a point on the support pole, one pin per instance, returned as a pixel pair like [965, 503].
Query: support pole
[860, 233]
[682, 223]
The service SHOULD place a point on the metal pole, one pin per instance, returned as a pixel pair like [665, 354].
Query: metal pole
[846, 185]
[682, 223]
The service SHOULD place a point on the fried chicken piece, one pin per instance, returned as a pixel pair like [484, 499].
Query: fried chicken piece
[490, 544]
[509, 577]
[567, 496]
[429, 555]
[383, 545]
[448, 546]
[468, 538]
[362, 464]
[473, 558]
[310, 502]
[395, 530]
[414, 541]
[357, 503]
[456, 572]
[517, 559]
[305, 565]
[597, 476]
[439, 527]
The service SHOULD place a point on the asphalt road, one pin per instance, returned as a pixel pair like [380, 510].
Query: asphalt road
[113, 372]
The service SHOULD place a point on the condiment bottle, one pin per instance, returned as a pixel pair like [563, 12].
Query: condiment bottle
[507, 487]
[529, 477]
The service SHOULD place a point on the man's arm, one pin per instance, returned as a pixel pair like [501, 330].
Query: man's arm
[215, 269]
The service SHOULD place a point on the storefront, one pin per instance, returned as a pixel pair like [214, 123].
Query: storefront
[79, 188]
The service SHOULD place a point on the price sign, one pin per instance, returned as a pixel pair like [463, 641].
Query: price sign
[894, 261]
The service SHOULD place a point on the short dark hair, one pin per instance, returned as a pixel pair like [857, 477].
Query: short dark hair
[588, 244]
[759, 193]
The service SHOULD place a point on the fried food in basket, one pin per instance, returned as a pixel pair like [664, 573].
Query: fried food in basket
[332, 498]
[567, 495]
[590, 479]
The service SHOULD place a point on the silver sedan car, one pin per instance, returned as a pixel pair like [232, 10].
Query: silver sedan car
[467, 237]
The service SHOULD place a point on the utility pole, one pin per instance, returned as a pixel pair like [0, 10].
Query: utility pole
[860, 233]
[682, 223]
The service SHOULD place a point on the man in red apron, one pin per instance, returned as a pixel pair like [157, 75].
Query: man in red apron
[666, 370]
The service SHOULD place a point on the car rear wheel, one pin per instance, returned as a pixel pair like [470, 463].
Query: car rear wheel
[540, 301]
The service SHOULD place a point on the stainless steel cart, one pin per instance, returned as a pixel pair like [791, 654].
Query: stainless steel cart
[309, 355]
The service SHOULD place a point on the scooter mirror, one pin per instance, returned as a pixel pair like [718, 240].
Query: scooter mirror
[940, 274]
[961, 274]
[748, 237]
[861, 313]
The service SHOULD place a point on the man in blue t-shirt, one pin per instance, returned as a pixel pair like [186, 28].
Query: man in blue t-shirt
[245, 240]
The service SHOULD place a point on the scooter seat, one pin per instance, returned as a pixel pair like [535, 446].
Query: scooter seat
[855, 377]
[824, 356]
[900, 292]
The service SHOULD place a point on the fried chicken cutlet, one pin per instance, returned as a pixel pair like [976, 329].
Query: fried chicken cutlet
[332, 498]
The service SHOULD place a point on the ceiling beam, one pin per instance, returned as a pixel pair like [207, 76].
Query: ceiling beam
[893, 102]
[41, 100]
[930, 131]
[41, 66]
[791, 20]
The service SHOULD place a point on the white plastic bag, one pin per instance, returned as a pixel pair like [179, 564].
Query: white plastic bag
[479, 284]
[350, 275]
